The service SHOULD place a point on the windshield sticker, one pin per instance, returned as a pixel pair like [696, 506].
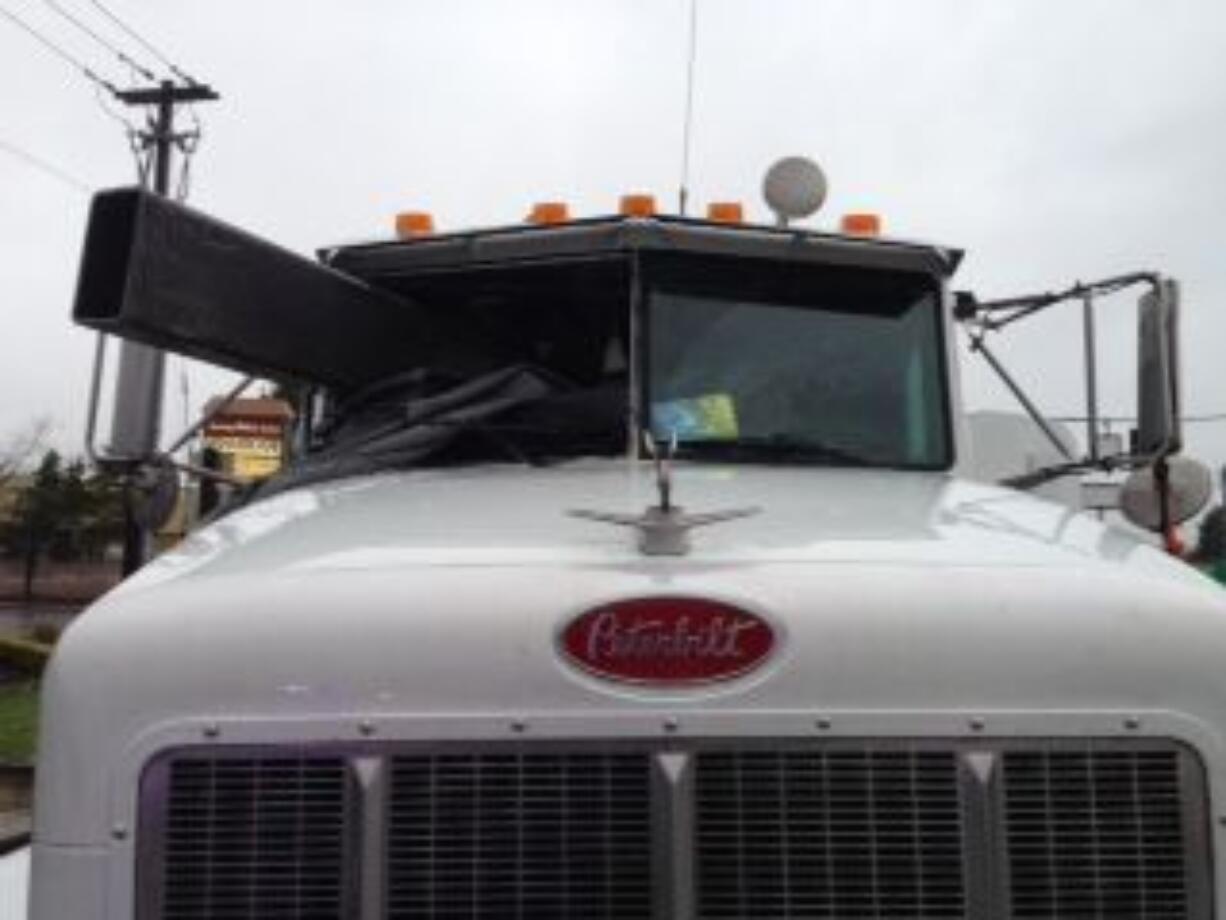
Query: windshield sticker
[709, 417]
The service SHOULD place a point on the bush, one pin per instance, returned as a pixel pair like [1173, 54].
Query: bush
[24, 655]
[1212, 545]
[18, 723]
[45, 633]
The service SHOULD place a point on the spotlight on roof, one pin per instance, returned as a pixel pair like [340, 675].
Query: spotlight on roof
[794, 187]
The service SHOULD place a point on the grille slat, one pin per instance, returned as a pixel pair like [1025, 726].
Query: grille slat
[524, 835]
[1096, 833]
[810, 833]
[251, 839]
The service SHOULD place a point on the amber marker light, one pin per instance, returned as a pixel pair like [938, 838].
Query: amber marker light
[861, 224]
[637, 205]
[549, 212]
[726, 212]
[410, 224]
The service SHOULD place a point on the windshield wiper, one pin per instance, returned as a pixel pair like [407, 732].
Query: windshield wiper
[771, 448]
[534, 444]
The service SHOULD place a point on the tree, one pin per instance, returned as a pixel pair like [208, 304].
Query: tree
[66, 509]
[102, 520]
[38, 515]
[72, 508]
[1212, 543]
[64, 512]
[18, 449]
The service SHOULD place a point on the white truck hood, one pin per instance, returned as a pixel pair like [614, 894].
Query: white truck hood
[519, 516]
[424, 603]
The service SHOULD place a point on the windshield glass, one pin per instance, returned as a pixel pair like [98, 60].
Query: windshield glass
[797, 363]
[535, 369]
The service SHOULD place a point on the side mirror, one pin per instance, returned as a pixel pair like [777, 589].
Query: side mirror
[1158, 404]
[1190, 489]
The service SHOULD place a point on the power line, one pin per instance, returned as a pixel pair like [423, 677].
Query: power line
[142, 41]
[1196, 418]
[57, 50]
[111, 113]
[39, 163]
[123, 58]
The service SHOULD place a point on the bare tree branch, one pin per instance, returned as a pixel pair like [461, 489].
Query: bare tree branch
[17, 450]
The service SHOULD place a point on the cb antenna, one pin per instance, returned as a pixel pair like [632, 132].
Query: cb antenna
[687, 130]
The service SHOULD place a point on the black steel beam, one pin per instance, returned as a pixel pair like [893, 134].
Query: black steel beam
[161, 273]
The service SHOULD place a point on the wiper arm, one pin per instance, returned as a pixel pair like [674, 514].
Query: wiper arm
[1045, 474]
[534, 445]
[775, 447]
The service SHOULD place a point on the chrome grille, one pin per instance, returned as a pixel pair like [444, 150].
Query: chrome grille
[1096, 833]
[520, 835]
[839, 834]
[1033, 829]
[254, 839]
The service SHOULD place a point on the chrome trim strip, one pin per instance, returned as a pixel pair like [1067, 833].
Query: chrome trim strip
[673, 798]
[370, 774]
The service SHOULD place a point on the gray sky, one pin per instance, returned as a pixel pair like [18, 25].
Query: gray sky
[1054, 140]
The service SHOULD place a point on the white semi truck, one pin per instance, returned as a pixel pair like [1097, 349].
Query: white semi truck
[629, 570]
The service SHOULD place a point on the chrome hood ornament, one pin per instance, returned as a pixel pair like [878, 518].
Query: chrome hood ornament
[664, 529]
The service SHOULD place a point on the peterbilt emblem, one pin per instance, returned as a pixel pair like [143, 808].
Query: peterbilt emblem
[667, 641]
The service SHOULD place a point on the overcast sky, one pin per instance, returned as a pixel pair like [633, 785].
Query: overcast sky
[1054, 140]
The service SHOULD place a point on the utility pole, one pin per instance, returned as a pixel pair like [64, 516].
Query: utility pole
[136, 427]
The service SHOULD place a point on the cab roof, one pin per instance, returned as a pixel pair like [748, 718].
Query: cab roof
[614, 236]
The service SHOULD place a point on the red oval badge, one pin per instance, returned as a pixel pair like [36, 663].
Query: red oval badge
[668, 641]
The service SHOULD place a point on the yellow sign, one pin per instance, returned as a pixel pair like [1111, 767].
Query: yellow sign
[247, 457]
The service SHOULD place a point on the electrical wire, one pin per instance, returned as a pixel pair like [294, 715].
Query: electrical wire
[140, 153]
[141, 150]
[58, 51]
[1193, 419]
[44, 166]
[184, 185]
[143, 42]
[110, 112]
[119, 53]
[187, 143]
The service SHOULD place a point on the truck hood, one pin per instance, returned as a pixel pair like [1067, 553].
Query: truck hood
[430, 604]
[521, 516]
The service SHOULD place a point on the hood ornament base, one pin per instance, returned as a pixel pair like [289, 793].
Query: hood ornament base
[664, 529]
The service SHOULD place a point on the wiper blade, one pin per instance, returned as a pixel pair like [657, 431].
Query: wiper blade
[773, 447]
[534, 445]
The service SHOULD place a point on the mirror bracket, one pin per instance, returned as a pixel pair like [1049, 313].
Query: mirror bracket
[1157, 435]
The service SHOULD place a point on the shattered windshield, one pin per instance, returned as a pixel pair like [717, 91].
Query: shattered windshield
[793, 363]
[536, 370]
[739, 362]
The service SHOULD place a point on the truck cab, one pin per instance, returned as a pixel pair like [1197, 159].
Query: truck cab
[628, 571]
